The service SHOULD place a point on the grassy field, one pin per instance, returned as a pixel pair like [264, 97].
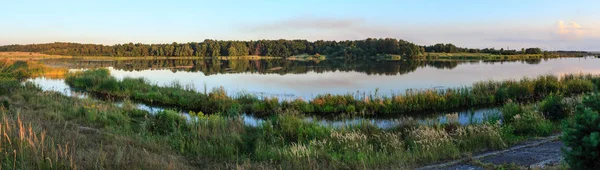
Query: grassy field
[32, 68]
[45, 130]
[23, 56]
[28, 56]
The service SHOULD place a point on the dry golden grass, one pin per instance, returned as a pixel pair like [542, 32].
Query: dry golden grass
[29, 56]
[36, 69]
[31, 148]
[24, 56]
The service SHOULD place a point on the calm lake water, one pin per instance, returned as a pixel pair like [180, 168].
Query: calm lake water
[465, 117]
[306, 79]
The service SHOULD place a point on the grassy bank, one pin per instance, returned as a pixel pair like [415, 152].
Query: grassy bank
[486, 56]
[100, 135]
[28, 56]
[481, 94]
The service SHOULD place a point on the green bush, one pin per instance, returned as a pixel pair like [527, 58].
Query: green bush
[5, 104]
[7, 85]
[531, 123]
[592, 101]
[577, 86]
[509, 111]
[293, 129]
[596, 82]
[546, 85]
[167, 121]
[582, 139]
[554, 108]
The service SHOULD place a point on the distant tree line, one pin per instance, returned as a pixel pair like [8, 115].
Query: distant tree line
[451, 48]
[275, 48]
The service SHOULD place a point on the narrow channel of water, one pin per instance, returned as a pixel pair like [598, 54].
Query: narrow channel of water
[463, 117]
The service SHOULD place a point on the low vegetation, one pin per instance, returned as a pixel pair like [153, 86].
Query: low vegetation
[92, 134]
[486, 56]
[581, 135]
[118, 137]
[481, 94]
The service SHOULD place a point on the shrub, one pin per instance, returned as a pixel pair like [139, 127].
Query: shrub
[167, 121]
[509, 111]
[7, 85]
[582, 138]
[554, 108]
[592, 101]
[4, 104]
[293, 129]
[546, 85]
[596, 82]
[578, 86]
[531, 123]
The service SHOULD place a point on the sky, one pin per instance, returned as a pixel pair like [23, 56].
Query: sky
[512, 24]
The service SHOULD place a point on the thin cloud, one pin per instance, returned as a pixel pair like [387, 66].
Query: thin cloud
[579, 36]
[569, 31]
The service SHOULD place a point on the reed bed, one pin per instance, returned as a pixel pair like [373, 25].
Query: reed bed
[480, 94]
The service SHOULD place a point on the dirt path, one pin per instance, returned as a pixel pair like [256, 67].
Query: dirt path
[535, 153]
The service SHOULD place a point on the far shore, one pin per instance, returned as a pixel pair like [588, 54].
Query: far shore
[23, 56]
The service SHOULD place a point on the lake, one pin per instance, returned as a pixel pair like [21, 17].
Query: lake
[289, 79]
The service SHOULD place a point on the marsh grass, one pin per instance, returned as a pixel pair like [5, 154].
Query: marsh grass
[23, 147]
[120, 137]
[480, 94]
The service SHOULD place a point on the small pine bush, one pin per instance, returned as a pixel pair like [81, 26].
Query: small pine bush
[582, 139]
[592, 101]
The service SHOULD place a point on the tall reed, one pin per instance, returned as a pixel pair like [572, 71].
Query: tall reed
[480, 94]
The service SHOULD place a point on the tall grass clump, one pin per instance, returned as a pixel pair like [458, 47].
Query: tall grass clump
[22, 147]
[525, 120]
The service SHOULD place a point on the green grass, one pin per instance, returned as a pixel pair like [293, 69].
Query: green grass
[101, 135]
[105, 136]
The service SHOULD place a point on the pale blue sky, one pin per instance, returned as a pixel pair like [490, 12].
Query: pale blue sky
[550, 24]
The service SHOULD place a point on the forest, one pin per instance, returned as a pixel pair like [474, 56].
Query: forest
[352, 49]
[451, 48]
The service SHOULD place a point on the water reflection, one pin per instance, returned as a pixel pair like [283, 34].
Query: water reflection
[462, 117]
[289, 79]
[272, 66]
